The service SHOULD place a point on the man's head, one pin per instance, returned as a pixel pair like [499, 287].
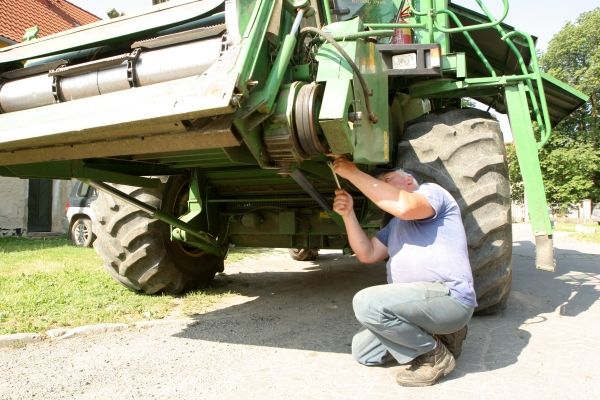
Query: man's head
[398, 178]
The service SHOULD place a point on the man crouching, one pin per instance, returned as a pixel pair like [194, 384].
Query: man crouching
[420, 317]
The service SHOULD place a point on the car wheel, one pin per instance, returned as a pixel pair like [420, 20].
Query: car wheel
[81, 232]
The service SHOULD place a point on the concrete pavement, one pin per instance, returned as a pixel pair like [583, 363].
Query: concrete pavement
[288, 337]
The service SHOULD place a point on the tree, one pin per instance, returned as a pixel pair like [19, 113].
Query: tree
[569, 173]
[570, 161]
[573, 57]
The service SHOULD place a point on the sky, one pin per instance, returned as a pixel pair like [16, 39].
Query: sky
[542, 18]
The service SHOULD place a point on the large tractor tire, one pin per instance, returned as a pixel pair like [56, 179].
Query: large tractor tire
[136, 248]
[463, 151]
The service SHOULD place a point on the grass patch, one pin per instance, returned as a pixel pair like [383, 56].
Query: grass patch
[589, 237]
[49, 283]
[571, 228]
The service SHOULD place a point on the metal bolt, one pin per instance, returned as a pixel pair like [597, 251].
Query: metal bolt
[355, 116]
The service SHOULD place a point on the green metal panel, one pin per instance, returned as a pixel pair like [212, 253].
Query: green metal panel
[424, 15]
[235, 176]
[368, 142]
[208, 158]
[333, 117]
[369, 11]
[117, 172]
[561, 99]
[253, 40]
[372, 139]
[245, 13]
[455, 65]
[287, 222]
[527, 154]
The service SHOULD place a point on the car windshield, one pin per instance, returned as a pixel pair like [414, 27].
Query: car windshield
[370, 11]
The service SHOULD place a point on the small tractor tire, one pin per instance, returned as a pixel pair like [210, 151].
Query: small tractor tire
[304, 254]
[136, 248]
[463, 151]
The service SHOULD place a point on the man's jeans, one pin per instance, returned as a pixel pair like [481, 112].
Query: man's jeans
[399, 319]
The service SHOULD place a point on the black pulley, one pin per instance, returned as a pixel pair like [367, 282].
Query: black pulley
[307, 106]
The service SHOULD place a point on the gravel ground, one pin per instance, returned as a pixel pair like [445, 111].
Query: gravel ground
[287, 336]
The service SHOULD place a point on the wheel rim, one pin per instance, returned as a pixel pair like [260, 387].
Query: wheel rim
[81, 233]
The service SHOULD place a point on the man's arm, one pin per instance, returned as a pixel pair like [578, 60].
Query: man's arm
[391, 198]
[366, 250]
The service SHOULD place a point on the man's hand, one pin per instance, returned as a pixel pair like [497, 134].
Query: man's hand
[344, 167]
[343, 203]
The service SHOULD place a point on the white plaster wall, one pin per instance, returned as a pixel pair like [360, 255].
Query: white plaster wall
[14, 193]
[13, 205]
[60, 195]
[585, 210]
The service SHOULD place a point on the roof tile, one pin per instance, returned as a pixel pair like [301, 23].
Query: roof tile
[51, 16]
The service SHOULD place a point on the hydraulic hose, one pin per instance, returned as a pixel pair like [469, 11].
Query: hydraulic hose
[366, 91]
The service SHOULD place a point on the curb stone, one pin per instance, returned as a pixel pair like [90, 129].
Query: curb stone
[61, 333]
[18, 339]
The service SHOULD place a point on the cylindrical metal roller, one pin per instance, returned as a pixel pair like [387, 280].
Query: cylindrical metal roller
[21, 94]
[94, 83]
[176, 62]
[152, 66]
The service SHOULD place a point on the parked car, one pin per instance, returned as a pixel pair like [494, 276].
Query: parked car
[596, 213]
[80, 215]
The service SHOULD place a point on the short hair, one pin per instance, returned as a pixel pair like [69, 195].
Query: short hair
[378, 172]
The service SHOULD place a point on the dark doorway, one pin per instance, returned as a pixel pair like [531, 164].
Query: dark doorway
[39, 205]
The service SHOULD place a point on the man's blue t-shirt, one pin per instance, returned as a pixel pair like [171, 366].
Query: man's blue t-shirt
[433, 249]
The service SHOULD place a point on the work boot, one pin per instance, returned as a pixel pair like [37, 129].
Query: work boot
[454, 341]
[428, 368]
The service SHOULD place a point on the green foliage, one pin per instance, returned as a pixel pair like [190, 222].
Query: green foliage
[570, 172]
[573, 57]
[570, 161]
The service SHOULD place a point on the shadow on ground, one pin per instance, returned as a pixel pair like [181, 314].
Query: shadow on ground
[309, 308]
[496, 341]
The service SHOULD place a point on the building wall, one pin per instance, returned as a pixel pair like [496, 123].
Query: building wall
[13, 205]
[60, 195]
